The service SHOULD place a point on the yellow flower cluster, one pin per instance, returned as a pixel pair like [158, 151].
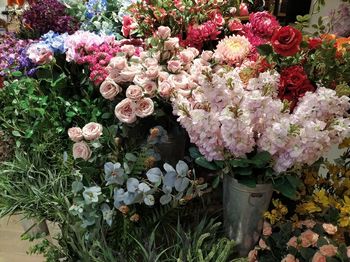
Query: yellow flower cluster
[344, 220]
[278, 213]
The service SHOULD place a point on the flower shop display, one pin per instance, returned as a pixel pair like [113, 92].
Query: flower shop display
[123, 142]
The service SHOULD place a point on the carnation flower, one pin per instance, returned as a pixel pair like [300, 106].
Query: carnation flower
[263, 24]
[233, 49]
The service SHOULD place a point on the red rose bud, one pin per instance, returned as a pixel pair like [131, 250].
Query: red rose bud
[314, 43]
[235, 25]
[286, 41]
[243, 10]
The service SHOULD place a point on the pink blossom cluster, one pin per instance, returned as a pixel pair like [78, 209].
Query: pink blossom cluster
[96, 51]
[226, 113]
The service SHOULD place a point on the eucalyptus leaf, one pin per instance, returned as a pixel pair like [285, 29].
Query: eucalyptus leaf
[165, 199]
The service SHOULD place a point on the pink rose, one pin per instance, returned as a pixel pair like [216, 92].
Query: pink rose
[293, 242]
[308, 223]
[75, 134]
[118, 63]
[164, 32]
[150, 61]
[330, 229]
[194, 51]
[180, 81]
[171, 44]
[253, 255]
[40, 54]
[308, 238]
[290, 258]
[152, 72]
[262, 244]
[134, 92]
[129, 25]
[92, 131]
[109, 89]
[144, 107]
[267, 229]
[186, 56]
[165, 89]
[207, 55]
[150, 88]
[174, 66]
[162, 76]
[129, 50]
[140, 79]
[243, 9]
[318, 257]
[328, 250]
[81, 150]
[125, 111]
[128, 74]
[113, 75]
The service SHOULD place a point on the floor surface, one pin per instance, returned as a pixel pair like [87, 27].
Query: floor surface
[12, 248]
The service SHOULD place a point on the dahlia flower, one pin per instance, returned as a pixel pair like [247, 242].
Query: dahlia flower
[263, 24]
[233, 49]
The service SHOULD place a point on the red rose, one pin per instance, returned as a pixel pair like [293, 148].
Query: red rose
[314, 43]
[1, 82]
[293, 76]
[286, 41]
[307, 86]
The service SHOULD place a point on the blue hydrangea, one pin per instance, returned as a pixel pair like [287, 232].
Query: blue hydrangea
[95, 7]
[55, 41]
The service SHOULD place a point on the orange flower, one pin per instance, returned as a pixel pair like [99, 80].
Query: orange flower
[340, 45]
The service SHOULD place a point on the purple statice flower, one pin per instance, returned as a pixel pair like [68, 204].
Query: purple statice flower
[45, 15]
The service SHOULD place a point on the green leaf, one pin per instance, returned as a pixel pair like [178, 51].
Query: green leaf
[216, 182]
[283, 186]
[16, 133]
[16, 74]
[239, 162]
[194, 152]
[265, 50]
[201, 161]
[60, 82]
[243, 171]
[77, 186]
[307, 253]
[131, 157]
[261, 159]
[106, 115]
[294, 181]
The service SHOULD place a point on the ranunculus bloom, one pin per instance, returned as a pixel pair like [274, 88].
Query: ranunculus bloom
[253, 255]
[243, 9]
[144, 107]
[328, 250]
[75, 134]
[134, 92]
[308, 238]
[92, 131]
[286, 41]
[263, 24]
[109, 89]
[174, 66]
[267, 229]
[81, 150]
[290, 258]
[164, 32]
[330, 229]
[318, 257]
[125, 111]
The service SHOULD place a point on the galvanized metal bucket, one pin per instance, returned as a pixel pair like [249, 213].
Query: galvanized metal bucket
[243, 212]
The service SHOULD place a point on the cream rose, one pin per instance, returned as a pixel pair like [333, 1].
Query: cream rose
[150, 88]
[125, 111]
[253, 255]
[164, 32]
[152, 72]
[92, 131]
[267, 229]
[174, 66]
[181, 83]
[207, 55]
[328, 250]
[150, 61]
[144, 107]
[290, 258]
[194, 51]
[330, 229]
[293, 242]
[140, 79]
[118, 63]
[81, 150]
[109, 89]
[134, 92]
[318, 257]
[75, 134]
[162, 76]
[308, 238]
[186, 56]
[171, 44]
[128, 74]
